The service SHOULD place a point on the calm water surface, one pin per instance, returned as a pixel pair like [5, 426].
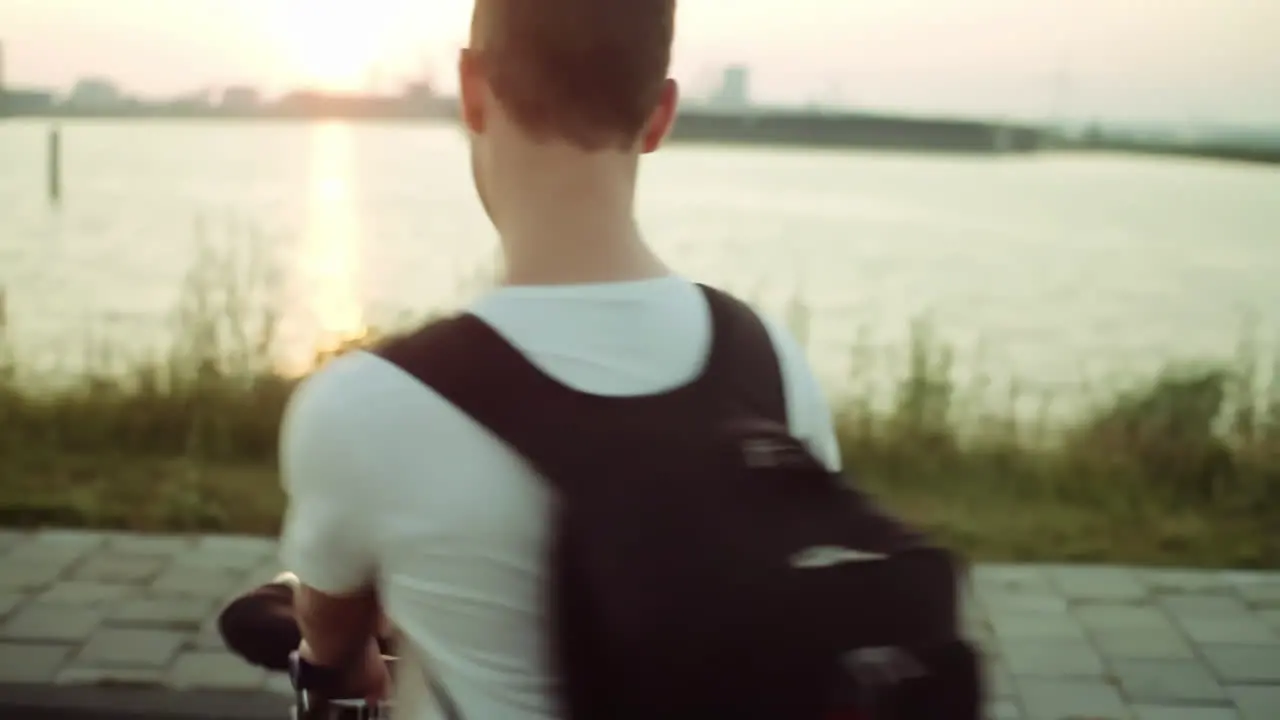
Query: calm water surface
[1045, 267]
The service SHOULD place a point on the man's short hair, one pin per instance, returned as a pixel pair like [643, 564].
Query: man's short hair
[589, 72]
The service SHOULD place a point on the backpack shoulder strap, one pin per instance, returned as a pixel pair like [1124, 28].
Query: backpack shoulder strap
[469, 364]
[751, 364]
[472, 366]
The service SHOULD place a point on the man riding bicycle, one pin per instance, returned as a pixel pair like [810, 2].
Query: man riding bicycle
[394, 495]
[412, 492]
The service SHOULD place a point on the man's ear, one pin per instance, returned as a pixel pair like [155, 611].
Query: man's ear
[472, 91]
[663, 117]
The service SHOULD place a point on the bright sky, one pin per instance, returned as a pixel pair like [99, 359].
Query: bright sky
[1189, 59]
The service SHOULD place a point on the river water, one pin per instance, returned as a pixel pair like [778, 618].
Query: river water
[1047, 268]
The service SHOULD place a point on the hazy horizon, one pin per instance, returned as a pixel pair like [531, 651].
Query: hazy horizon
[1197, 60]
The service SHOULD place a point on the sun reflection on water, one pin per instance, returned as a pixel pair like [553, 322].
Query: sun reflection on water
[330, 255]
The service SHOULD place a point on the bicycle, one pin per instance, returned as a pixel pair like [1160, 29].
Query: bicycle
[314, 704]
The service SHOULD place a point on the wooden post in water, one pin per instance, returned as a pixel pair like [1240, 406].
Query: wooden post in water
[55, 165]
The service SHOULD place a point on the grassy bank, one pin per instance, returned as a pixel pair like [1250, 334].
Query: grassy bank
[1181, 469]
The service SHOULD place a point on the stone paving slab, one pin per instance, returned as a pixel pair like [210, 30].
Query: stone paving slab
[125, 702]
[1152, 712]
[92, 610]
[1160, 681]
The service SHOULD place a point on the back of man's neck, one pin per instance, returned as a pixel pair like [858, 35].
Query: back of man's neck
[576, 259]
[568, 218]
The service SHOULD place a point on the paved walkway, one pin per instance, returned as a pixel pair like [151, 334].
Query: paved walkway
[85, 609]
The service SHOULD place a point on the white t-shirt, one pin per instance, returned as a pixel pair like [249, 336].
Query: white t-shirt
[388, 482]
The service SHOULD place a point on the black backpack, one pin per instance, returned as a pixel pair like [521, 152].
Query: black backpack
[704, 564]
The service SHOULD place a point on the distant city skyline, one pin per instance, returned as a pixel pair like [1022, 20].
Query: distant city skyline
[1194, 60]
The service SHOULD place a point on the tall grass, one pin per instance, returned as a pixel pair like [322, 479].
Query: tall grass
[1183, 467]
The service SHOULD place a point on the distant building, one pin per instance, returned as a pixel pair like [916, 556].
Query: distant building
[4, 93]
[240, 97]
[96, 93]
[419, 91]
[195, 100]
[21, 101]
[735, 88]
[25, 102]
[419, 97]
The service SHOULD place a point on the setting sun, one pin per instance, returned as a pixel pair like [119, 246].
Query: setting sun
[338, 44]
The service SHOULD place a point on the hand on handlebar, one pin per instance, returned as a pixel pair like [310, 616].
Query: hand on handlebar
[369, 678]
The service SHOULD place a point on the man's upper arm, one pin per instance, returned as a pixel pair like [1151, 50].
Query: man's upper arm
[328, 537]
[808, 411]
